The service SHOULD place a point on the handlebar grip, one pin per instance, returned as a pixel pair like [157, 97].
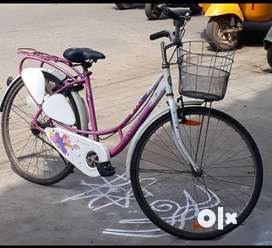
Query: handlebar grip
[158, 35]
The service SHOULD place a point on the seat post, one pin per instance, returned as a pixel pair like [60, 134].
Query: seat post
[92, 125]
[85, 69]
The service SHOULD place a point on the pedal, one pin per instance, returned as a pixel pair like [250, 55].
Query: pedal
[105, 169]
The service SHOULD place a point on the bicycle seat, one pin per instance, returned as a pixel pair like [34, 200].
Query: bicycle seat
[81, 55]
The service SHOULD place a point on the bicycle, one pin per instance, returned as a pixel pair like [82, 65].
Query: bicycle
[197, 155]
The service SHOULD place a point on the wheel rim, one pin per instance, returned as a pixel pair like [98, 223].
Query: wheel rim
[224, 36]
[30, 151]
[200, 192]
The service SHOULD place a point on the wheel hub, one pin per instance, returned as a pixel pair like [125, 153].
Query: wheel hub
[197, 173]
[91, 159]
[35, 131]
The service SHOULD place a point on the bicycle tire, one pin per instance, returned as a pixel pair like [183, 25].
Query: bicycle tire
[68, 168]
[147, 208]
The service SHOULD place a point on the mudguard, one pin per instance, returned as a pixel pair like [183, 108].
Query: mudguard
[4, 97]
[81, 107]
[18, 78]
[224, 9]
[145, 125]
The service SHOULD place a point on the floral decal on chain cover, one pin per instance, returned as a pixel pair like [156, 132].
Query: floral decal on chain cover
[63, 142]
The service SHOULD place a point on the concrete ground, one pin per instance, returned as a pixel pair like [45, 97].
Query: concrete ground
[73, 211]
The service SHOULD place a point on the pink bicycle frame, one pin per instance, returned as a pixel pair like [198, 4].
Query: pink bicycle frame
[84, 79]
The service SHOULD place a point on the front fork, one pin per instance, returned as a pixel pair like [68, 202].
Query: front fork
[175, 121]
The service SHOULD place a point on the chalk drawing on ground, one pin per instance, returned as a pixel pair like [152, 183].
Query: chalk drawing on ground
[118, 192]
[177, 214]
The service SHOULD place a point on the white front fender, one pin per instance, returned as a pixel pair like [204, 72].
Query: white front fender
[145, 125]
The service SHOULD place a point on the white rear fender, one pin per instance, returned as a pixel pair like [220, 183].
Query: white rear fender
[55, 106]
[35, 83]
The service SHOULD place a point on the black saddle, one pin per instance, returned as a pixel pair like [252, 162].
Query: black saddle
[82, 55]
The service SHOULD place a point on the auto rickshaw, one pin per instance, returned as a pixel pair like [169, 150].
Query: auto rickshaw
[268, 46]
[226, 20]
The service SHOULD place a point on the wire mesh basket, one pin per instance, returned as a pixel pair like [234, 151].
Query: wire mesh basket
[204, 73]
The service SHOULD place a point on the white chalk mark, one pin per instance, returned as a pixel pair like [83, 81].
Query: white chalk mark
[134, 234]
[118, 192]
[133, 231]
[115, 192]
[177, 214]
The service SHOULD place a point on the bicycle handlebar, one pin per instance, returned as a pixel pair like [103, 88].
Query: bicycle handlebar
[158, 35]
[171, 14]
[180, 19]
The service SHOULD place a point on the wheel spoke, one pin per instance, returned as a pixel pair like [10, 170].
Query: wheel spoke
[166, 171]
[32, 156]
[227, 179]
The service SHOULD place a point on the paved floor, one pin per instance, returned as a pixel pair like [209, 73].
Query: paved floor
[70, 212]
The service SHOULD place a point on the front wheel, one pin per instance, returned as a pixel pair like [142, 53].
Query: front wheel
[230, 176]
[218, 31]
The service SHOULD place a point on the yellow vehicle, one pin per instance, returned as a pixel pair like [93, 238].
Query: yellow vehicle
[226, 20]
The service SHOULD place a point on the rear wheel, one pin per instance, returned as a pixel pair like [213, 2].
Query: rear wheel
[30, 153]
[230, 175]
